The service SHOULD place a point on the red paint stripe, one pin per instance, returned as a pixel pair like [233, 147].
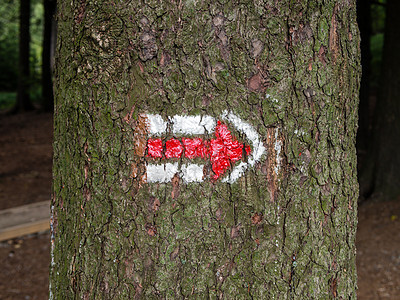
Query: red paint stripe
[154, 148]
[196, 148]
[223, 151]
[173, 148]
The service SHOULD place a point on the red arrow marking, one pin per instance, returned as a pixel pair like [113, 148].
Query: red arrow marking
[223, 151]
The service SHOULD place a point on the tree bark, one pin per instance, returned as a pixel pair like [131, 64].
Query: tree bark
[285, 229]
[23, 100]
[379, 178]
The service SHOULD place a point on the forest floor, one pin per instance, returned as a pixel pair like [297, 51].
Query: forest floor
[25, 177]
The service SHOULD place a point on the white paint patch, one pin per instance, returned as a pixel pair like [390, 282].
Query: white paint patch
[192, 173]
[193, 124]
[236, 173]
[199, 125]
[299, 132]
[181, 125]
[258, 148]
[244, 127]
[161, 173]
[157, 125]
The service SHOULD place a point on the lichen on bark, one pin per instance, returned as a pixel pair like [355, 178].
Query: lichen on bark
[285, 229]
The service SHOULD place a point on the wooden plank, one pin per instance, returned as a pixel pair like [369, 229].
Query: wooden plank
[26, 219]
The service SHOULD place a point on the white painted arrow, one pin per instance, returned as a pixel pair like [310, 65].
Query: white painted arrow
[199, 125]
[252, 135]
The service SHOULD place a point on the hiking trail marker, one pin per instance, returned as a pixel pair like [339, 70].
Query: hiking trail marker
[222, 150]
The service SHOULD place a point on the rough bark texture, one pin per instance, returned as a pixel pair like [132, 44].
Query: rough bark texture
[284, 230]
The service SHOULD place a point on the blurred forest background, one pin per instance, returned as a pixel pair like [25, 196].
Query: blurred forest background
[27, 41]
[27, 44]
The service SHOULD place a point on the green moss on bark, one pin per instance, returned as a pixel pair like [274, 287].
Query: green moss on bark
[288, 67]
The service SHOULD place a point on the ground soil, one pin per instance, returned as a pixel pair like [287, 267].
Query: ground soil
[25, 177]
[25, 158]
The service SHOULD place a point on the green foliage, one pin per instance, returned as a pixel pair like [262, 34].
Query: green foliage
[9, 24]
[7, 100]
[36, 29]
[376, 58]
[378, 13]
[378, 16]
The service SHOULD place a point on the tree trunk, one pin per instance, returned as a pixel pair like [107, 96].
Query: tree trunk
[48, 54]
[23, 100]
[205, 150]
